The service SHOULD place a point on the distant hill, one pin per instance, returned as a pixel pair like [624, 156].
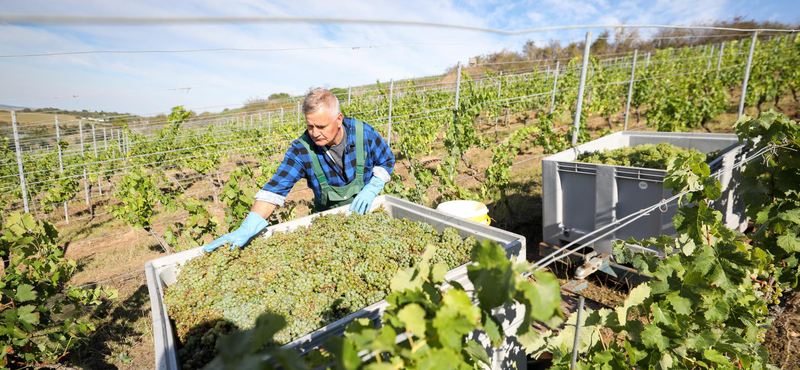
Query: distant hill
[11, 107]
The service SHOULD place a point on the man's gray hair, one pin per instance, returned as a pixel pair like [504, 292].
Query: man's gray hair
[318, 99]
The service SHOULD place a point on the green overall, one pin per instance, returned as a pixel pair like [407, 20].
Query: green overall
[335, 196]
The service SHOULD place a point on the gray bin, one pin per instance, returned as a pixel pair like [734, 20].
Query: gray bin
[162, 272]
[578, 198]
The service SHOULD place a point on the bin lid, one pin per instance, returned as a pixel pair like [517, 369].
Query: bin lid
[463, 208]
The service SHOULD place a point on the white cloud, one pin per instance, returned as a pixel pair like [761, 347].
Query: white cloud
[231, 77]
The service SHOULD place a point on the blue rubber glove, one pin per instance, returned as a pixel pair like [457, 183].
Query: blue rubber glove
[251, 225]
[364, 199]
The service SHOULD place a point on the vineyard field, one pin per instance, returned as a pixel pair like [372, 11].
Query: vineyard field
[124, 194]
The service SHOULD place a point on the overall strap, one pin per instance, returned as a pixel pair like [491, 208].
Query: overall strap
[318, 172]
[360, 152]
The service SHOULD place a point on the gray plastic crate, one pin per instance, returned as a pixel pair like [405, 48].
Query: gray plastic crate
[162, 272]
[578, 198]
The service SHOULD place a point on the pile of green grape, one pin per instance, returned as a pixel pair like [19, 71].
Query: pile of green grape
[656, 156]
[312, 276]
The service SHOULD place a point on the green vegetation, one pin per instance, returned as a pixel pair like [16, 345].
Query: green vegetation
[656, 156]
[707, 305]
[41, 314]
[434, 324]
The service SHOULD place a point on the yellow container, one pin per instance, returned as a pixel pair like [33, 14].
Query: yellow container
[468, 209]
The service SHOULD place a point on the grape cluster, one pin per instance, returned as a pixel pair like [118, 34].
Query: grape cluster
[656, 156]
[312, 276]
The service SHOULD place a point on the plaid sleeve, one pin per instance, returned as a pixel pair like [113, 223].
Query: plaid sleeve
[381, 154]
[289, 172]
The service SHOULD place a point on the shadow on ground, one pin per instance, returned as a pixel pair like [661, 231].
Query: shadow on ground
[115, 331]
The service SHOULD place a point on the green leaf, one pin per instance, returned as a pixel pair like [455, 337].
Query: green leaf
[653, 336]
[714, 355]
[25, 293]
[545, 296]
[439, 272]
[718, 311]
[477, 352]
[492, 275]
[26, 315]
[789, 242]
[413, 317]
[637, 296]
[680, 304]
[492, 328]
[456, 318]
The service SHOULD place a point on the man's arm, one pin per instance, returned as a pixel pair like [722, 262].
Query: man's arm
[270, 197]
[264, 209]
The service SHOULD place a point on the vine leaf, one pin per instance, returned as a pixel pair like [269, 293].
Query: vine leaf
[458, 317]
[27, 316]
[25, 293]
[714, 355]
[493, 276]
[653, 336]
[789, 242]
[413, 317]
[680, 304]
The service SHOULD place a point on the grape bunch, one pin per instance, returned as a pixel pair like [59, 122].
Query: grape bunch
[312, 276]
[656, 156]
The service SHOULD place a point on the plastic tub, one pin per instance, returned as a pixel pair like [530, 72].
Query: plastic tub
[578, 198]
[163, 271]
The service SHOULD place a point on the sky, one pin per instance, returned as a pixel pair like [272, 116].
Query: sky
[310, 55]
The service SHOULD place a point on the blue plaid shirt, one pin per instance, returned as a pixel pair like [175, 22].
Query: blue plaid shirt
[379, 161]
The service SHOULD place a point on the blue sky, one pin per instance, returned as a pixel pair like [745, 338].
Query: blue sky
[152, 83]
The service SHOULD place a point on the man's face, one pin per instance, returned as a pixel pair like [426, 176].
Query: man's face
[323, 129]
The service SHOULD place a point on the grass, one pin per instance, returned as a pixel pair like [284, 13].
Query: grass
[24, 118]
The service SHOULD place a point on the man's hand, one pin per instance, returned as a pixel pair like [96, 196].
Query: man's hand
[251, 225]
[363, 201]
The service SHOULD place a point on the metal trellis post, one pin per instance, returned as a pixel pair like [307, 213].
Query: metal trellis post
[647, 62]
[349, 90]
[19, 162]
[555, 86]
[391, 96]
[281, 115]
[61, 165]
[721, 52]
[269, 123]
[630, 89]
[458, 89]
[298, 112]
[105, 138]
[581, 87]
[578, 322]
[83, 156]
[747, 72]
[94, 141]
[458, 85]
[58, 147]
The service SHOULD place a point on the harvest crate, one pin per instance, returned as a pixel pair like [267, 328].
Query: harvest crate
[578, 198]
[162, 272]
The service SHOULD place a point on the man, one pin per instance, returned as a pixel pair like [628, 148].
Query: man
[344, 161]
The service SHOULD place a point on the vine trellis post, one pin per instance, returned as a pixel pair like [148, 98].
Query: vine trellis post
[19, 162]
[630, 89]
[577, 123]
[555, 86]
[61, 164]
[747, 72]
[391, 96]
